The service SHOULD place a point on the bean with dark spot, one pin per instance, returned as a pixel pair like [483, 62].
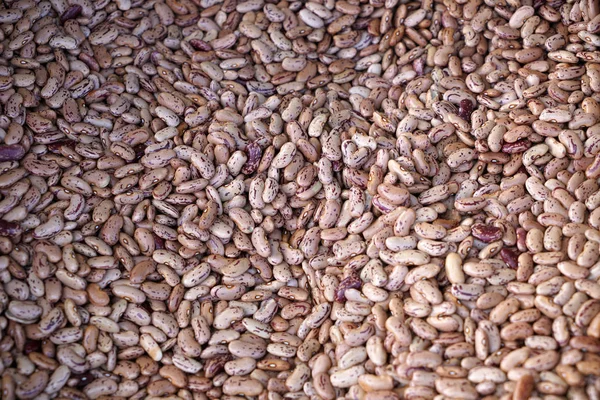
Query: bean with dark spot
[486, 233]
[83, 379]
[254, 153]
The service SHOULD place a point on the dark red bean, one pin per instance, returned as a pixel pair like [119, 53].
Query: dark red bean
[510, 257]
[84, 379]
[215, 365]
[350, 282]
[465, 109]
[201, 45]
[70, 13]
[10, 228]
[32, 346]
[11, 152]
[139, 151]
[486, 233]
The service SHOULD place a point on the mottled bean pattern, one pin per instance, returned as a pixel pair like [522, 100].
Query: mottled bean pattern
[311, 200]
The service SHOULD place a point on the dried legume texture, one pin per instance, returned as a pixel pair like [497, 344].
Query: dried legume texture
[378, 200]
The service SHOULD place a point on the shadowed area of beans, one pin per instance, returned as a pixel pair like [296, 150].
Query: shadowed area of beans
[300, 200]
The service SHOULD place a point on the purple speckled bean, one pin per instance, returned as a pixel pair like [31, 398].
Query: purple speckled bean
[70, 13]
[486, 233]
[11, 152]
[517, 147]
[254, 153]
[352, 281]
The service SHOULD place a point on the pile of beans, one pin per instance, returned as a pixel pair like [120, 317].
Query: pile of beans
[306, 200]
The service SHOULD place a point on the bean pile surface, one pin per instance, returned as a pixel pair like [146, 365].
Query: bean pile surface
[307, 200]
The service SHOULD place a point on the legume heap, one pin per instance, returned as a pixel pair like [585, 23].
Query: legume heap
[307, 200]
